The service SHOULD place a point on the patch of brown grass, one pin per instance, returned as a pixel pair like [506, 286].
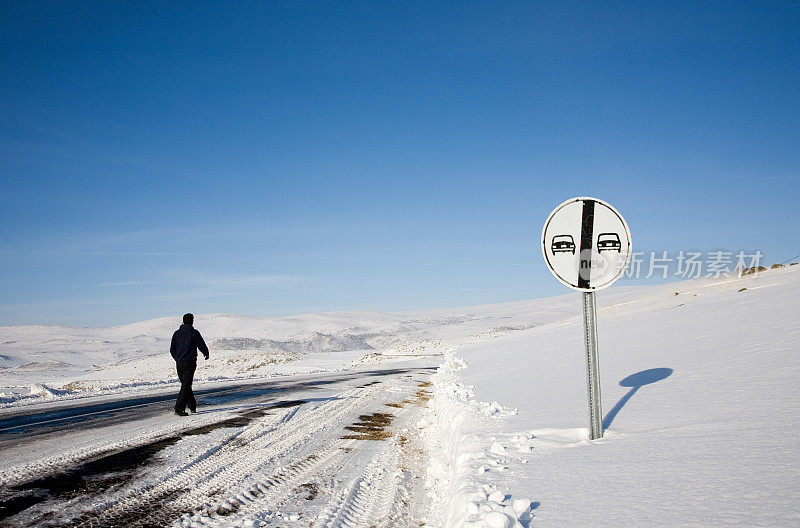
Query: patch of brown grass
[420, 398]
[370, 427]
[75, 386]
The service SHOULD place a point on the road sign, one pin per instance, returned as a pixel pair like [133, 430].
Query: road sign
[586, 244]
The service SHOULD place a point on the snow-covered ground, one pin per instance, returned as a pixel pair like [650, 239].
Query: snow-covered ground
[699, 384]
[698, 394]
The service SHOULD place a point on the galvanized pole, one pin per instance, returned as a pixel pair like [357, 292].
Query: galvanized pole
[592, 366]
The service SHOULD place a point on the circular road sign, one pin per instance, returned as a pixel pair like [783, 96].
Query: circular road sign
[586, 244]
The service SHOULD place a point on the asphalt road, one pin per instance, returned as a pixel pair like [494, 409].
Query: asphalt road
[22, 425]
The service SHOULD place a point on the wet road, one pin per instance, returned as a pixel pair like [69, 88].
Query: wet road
[24, 425]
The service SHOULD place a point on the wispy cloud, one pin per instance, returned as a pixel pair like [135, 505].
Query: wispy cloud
[218, 240]
[127, 283]
[237, 280]
[206, 281]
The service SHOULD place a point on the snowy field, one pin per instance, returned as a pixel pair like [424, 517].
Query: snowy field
[344, 419]
[699, 384]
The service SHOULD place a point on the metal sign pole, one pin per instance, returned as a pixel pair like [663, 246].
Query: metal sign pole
[592, 366]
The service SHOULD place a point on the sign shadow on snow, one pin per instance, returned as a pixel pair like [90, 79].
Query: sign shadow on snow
[634, 381]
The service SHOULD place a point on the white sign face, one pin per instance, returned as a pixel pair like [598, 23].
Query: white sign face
[586, 244]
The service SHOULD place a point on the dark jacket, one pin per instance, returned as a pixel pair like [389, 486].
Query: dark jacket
[185, 342]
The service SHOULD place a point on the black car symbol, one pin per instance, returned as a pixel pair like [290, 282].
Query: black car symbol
[609, 242]
[563, 244]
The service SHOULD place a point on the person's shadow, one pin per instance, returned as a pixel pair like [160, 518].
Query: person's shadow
[634, 381]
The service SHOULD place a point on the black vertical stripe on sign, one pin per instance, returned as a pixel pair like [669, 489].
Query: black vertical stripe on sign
[587, 232]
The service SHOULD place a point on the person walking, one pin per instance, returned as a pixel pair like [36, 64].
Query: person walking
[185, 342]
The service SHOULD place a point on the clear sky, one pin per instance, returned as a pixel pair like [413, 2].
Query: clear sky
[273, 158]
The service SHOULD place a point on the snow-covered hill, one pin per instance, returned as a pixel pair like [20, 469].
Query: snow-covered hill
[46, 362]
[699, 386]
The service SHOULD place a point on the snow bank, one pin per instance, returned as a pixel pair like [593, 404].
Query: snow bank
[455, 450]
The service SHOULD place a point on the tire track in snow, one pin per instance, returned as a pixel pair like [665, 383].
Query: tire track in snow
[159, 504]
[368, 500]
[264, 448]
[255, 470]
[379, 496]
[389, 493]
[262, 496]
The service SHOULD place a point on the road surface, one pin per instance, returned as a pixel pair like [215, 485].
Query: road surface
[328, 450]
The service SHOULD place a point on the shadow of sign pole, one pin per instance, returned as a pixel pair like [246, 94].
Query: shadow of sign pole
[634, 381]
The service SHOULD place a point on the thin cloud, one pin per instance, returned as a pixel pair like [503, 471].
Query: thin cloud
[282, 257]
[238, 280]
[128, 283]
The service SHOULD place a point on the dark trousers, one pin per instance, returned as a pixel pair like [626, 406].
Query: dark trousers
[185, 396]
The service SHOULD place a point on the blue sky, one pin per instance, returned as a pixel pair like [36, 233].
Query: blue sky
[273, 158]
